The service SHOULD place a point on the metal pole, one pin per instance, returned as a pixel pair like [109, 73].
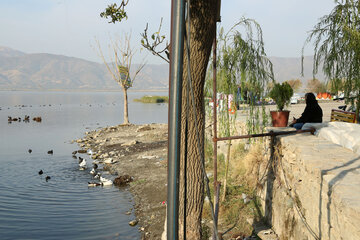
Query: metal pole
[216, 196]
[175, 94]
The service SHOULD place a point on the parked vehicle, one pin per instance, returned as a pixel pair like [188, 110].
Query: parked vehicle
[294, 99]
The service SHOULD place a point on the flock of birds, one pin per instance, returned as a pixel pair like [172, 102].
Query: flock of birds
[41, 172]
[96, 175]
[83, 166]
[25, 119]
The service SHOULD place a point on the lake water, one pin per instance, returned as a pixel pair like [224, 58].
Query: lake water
[64, 207]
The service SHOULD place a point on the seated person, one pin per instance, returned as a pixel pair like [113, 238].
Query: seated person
[312, 113]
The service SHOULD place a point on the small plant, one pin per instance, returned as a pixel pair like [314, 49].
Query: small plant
[281, 93]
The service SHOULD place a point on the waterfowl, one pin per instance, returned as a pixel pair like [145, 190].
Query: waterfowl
[82, 164]
[93, 171]
[105, 181]
[94, 184]
[95, 166]
[47, 178]
[41, 172]
[30, 151]
[97, 176]
[50, 152]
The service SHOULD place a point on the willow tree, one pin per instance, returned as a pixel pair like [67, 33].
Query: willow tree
[337, 45]
[241, 62]
[119, 67]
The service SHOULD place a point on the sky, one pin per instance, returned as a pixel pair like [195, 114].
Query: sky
[70, 27]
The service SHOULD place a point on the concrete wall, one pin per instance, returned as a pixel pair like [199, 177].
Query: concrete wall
[313, 190]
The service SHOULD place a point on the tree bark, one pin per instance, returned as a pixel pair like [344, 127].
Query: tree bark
[202, 24]
[126, 110]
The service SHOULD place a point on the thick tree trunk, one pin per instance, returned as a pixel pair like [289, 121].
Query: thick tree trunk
[126, 110]
[202, 35]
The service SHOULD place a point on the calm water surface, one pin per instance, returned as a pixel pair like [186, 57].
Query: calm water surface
[64, 207]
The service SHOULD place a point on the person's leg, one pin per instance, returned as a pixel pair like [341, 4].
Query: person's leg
[298, 126]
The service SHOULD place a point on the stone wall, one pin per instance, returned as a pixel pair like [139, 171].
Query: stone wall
[313, 189]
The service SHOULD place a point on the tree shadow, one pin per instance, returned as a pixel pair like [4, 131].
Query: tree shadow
[331, 185]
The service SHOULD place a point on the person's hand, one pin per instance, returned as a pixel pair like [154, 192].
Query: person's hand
[293, 121]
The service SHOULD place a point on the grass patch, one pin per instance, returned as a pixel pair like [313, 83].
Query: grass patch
[153, 99]
[244, 171]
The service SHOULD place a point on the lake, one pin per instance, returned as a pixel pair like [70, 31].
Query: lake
[63, 207]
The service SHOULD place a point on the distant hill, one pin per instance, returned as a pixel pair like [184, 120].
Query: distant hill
[290, 68]
[43, 71]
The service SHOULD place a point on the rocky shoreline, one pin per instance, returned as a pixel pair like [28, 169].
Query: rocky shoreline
[139, 151]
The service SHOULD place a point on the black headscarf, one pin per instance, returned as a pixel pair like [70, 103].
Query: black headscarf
[313, 112]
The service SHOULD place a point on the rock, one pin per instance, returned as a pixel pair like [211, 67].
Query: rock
[133, 142]
[148, 157]
[133, 222]
[123, 180]
[144, 128]
[82, 151]
[109, 160]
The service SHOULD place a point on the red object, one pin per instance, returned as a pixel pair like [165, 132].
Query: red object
[280, 118]
[324, 95]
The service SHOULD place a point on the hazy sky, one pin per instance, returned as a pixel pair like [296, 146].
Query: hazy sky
[69, 27]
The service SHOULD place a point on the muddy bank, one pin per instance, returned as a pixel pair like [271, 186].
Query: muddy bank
[141, 152]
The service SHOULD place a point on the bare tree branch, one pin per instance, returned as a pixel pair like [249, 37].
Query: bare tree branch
[156, 40]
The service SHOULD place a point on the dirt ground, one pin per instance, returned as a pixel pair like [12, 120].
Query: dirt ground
[141, 152]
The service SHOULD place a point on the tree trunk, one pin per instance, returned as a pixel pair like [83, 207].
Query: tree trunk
[126, 110]
[202, 35]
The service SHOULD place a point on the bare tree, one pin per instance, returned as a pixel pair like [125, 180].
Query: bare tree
[120, 65]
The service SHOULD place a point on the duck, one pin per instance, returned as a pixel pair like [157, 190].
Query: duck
[94, 184]
[47, 178]
[41, 172]
[97, 176]
[93, 171]
[50, 151]
[82, 163]
[30, 151]
[105, 181]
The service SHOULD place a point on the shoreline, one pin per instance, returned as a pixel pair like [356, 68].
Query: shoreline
[141, 152]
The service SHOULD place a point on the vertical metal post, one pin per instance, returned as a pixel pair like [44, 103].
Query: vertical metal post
[216, 196]
[175, 94]
[216, 183]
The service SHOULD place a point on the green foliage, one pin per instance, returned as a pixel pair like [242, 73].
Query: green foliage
[281, 93]
[117, 14]
[336, 40]
[153, 99]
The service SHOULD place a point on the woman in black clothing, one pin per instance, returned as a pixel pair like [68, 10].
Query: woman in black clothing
[312, 113]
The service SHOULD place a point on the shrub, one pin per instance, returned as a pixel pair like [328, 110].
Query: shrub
[281, 93]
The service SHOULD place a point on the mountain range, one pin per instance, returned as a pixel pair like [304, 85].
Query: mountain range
[42, 71]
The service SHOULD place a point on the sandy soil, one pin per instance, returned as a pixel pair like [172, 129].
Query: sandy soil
[141, 152]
